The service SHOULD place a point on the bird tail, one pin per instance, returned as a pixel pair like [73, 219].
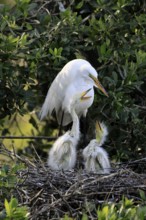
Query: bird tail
[47, 107]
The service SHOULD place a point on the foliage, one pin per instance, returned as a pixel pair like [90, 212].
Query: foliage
[13, 211]
[37, 39]
[8, 180]
[125, 209]
[8, 174]
[9, 206]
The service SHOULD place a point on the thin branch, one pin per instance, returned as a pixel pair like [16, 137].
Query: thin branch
[41, 162]
[29, 137]
[12, 155]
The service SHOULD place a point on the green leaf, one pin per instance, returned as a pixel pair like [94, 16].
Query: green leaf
[8, 208]
[127, 202]
[55, 51]
[85, 217]
[103, 49]
[13, 203]
[79, 5]
[142, 194]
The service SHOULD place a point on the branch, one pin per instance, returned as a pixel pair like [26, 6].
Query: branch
[29, 137]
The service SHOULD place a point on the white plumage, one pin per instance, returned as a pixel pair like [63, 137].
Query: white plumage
[76, 76]
[63, 153]
[95, 157]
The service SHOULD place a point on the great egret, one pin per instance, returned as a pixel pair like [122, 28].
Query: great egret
[95, 157]
[63, 153]
[76, 76]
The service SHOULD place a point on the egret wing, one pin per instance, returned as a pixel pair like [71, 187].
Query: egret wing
[54, 97]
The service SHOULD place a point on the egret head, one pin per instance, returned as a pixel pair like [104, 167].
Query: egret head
[98, 84]
[101, 132]
[91, 75]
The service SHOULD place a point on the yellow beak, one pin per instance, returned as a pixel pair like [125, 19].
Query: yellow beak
[98, 84]
[98, 126]
[98, 131]
[83, 97]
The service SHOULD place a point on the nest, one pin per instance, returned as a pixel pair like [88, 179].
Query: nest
[52, 194]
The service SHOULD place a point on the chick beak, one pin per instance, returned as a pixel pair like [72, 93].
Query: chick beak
[98, 132]
[83, 97]
[98, 126]
[98, 84]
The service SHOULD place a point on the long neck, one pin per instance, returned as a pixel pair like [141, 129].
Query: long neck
[75, 131]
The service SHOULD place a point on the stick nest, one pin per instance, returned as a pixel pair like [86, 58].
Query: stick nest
[52, 194]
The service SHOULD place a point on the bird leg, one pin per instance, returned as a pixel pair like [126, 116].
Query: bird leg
[60, 126]
[83, 122]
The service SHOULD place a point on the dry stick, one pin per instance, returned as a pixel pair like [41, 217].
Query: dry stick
[62, 197]
[26, 177]
[72, 189]
[76, 188]
[58, 201]
[113, 186]
[24, 160]
[97, 179]
[132, 162]
[13, 154]
[29, 137]
[41, 162]
[111, 190]
[46, 207]
[88, 208]
[27, 198]
[36, 196]
[20, 195]
[6, 152]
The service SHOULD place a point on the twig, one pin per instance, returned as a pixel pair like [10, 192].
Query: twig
[29, 137]
[132, 162]
[36, 196]
[12, 154]
[41, 162]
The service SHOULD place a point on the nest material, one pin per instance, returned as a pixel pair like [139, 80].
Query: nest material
[52, 194]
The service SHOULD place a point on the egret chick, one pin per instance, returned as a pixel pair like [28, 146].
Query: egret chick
[63, 153]
[77, 76]
[95, 157]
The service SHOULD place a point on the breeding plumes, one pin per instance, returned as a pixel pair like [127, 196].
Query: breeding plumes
[76, 76]
[95, 157]
[62, 155]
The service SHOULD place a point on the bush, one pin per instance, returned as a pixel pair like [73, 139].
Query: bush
[9, 206]
[125, 209]
[12, 211]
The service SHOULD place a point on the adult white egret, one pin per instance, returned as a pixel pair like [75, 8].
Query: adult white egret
[62, 155]
[95, 157]
[76, 76]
